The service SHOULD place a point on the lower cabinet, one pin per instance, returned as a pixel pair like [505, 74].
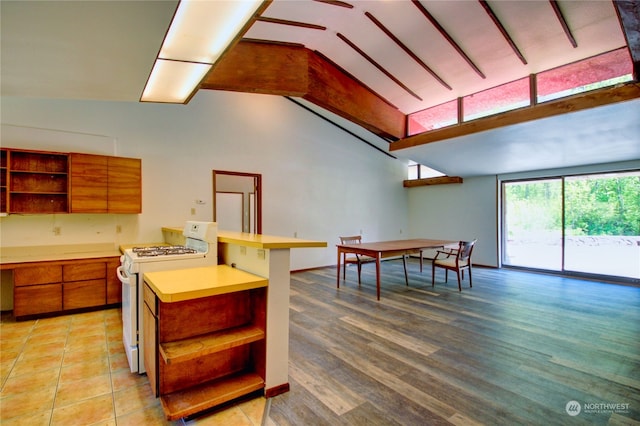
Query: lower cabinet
[204, 352]
[58, 286]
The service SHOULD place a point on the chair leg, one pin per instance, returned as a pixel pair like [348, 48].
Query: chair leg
[420, 261]
[470, 281]
[404, 262]
[446, 275]
[458, 274]
[359, 272]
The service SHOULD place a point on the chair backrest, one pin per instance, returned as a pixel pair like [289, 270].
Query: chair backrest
[355, 239]
[465, 249]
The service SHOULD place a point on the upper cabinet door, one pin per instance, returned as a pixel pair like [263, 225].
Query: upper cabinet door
[125, 185]
[89, 183]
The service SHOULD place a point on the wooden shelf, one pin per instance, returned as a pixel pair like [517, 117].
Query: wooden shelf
[194, 347]
[209, 394]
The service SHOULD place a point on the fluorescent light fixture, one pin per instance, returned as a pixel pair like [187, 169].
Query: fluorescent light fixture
[199, 33]
[173, 81]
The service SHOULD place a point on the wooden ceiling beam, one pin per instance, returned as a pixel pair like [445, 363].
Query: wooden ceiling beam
[574, 103]
[563, 23]
[293, 70]
[629, 15]
[503, 31]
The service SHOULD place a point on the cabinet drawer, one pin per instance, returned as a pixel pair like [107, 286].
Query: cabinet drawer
[37, 299]
[114, 286]
[84, 271]
[84, 294]
[35, 275]
[150, 299]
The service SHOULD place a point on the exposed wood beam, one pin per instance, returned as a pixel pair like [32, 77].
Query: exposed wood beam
[337, 92]
[377, 65]
[446, 35]
[290, 70]
[549, 109]
[629, 15]
[336, 3]
[503, 31]
[442, 180]
[290, 23]
[563, 22]
[406, 49]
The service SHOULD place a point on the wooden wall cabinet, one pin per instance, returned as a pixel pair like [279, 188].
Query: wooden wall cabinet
[38, 182]
[58, 286]
[3, 180]
[104, 184]
[196, 361]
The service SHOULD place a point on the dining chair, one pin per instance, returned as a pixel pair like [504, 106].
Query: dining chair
[353, 258]
[454, 259]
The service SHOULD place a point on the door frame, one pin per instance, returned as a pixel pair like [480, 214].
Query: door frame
[257, 191]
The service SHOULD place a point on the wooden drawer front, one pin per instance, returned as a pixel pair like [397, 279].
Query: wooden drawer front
[150, 299]
[84, 271]
[35, 275]
[37, 299]
[84, 294]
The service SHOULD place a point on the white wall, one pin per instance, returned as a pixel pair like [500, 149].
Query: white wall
[318, 181]
[458, 212]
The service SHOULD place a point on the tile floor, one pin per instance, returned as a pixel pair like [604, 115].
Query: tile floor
[72, 370]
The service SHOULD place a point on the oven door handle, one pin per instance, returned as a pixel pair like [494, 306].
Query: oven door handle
[122, 275]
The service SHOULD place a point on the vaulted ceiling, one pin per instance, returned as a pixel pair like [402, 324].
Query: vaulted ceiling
[365, 62]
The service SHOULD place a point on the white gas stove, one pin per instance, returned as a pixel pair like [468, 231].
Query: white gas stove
[200, 249]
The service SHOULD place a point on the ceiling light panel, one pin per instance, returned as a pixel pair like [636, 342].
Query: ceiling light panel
[202, 30]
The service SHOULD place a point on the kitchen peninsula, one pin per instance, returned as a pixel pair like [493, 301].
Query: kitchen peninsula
[241, 349]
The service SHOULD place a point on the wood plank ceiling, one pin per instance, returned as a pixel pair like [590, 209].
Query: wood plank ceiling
[374, 62]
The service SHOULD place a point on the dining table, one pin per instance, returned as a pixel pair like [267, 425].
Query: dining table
[385, 249]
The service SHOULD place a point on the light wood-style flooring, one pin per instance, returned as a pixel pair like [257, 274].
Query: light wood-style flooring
[516, 349]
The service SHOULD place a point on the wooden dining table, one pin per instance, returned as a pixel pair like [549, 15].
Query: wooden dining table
[383, 249]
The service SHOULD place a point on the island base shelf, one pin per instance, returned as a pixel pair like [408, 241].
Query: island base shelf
[207, 395]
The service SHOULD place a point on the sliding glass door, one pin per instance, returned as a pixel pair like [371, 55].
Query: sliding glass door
[532, 224]
[587, 224]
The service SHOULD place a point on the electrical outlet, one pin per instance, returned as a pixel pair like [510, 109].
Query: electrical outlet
[56, 230]
[193, 211]
[261, 254]
[295, 234]
[243, 250]
[118, 229]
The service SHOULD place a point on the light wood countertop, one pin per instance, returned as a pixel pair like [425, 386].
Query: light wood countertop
[193, 283]
[11, 256]
[258, 240]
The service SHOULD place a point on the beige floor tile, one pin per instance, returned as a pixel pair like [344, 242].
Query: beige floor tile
[26, 403]
[50, 322]
[86, 412]
[60, 328]
[230, 417]
[26, 365]
[42, 418]
[254, 409]
[47, 338]
[84, 355]
[78, 343]
[78, 390]
[35, 349]
[31, 382]
[124, 379]
[118, 361]
[134, 398]
[148, 416]
[84, 370]
[15, 333]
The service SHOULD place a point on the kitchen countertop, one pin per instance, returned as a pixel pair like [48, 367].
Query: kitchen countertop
[259, 241]
[11, 256]
[193, 283]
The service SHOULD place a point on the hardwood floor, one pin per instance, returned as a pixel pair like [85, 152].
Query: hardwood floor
[513, 350]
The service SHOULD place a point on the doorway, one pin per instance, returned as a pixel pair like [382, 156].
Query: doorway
[237, 201]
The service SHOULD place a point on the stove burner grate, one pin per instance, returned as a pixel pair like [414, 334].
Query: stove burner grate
[162, 250]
